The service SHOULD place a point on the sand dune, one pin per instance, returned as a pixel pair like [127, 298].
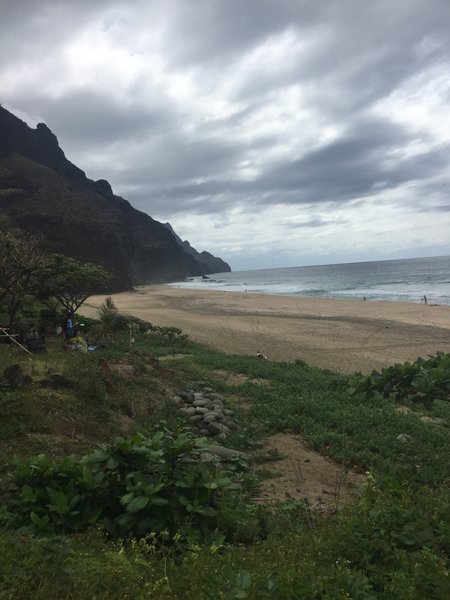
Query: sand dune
[341, 335]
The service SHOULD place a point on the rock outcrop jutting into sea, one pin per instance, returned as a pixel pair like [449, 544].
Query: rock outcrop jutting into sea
[44, 193]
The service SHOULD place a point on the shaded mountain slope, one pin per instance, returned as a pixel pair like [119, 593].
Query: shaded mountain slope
[207, 261]
[44, 193]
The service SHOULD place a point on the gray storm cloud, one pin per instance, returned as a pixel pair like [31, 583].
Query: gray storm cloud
[202, 110]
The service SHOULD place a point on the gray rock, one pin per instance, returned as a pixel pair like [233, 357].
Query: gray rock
[205, 432]
[188, 396]
[217, 414]
[207, 412]
[216, 428]
[177, 401]
[210, 418]
[196, 418]
[217, 403]
[231, 424]
[201, 402]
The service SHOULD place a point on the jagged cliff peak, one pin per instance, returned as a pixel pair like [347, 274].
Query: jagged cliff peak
[209, 262]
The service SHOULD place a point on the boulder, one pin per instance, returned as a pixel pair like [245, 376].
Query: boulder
[200, 402]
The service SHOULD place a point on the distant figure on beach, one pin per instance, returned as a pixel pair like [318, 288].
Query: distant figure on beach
[260, 355]
[424, 299]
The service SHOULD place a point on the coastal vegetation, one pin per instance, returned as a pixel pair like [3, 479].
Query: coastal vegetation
[28, 274]
[113, 494]
[423, 381]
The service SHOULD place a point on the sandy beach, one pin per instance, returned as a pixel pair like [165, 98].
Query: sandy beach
[341, 335]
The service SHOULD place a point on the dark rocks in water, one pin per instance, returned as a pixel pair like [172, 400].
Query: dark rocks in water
[43, 193]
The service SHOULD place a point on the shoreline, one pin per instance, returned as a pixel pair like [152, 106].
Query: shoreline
[340, 335]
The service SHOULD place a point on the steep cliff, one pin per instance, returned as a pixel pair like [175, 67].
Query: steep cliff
[207, 261]
[44, 193]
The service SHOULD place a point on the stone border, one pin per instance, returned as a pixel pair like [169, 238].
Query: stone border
[207, 412]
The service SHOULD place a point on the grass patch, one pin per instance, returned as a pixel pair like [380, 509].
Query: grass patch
[393, 542]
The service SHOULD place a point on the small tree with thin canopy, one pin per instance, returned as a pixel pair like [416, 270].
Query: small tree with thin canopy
[66, 283]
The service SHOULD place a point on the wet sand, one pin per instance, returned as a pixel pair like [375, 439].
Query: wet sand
[341, 335]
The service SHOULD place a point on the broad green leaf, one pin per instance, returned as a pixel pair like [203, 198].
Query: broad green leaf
[127, 498]
[137, 504]
[156, 501]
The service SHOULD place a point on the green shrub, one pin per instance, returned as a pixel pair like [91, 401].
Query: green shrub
[138, 485]
[399, 535]
[422, 381]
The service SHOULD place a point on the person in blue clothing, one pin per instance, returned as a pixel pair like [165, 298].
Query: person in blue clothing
[70, 328]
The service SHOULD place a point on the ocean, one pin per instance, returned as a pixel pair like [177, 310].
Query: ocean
[407, 280]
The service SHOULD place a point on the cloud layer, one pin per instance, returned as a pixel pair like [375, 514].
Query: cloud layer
[269, 132]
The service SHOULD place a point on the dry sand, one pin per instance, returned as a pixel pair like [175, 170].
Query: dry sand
[341, 335]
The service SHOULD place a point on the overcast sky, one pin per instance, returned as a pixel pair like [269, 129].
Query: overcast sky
[271, 133]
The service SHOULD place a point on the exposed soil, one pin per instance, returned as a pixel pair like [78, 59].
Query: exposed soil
[303, 474]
